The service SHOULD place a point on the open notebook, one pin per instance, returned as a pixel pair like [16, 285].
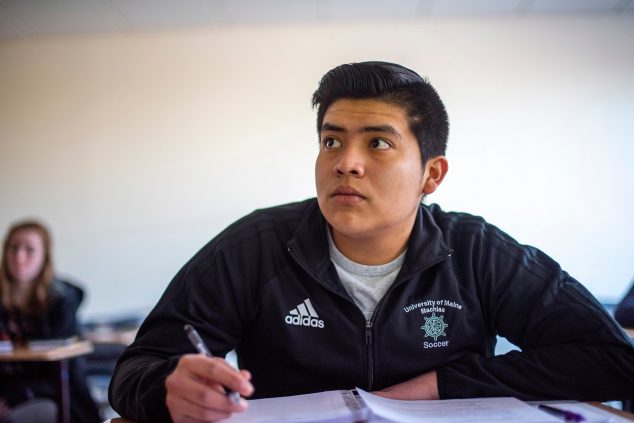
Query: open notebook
[361, 406]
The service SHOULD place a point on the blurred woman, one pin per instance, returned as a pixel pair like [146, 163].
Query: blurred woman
[34, 304]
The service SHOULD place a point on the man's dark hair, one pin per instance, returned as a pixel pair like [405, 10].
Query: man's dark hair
[394, 84]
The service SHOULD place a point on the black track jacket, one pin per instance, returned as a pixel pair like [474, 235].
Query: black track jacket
[266, 287]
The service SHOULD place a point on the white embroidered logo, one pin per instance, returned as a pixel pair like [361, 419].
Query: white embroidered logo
[304, 315]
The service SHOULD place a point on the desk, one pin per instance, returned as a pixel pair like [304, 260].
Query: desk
[59, 357]
[629, 331]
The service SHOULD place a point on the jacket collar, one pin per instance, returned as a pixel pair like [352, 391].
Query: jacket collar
[309, 245]
[426, 245]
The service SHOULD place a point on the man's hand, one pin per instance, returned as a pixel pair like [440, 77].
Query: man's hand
[423, 387]
[196, 389]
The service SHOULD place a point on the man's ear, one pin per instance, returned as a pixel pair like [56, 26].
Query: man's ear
[435, 170]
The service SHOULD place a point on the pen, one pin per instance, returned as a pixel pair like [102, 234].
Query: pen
[568, 416]
[200, 346]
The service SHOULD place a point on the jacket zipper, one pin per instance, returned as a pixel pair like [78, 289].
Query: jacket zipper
[368, 346]
[370, 323]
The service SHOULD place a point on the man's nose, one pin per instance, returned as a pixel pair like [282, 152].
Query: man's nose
[351, 160]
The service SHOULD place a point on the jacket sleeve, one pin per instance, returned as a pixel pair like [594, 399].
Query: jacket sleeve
[571, 348]
[201, 294]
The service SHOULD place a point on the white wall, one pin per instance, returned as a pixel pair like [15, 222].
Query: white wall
[137, 149]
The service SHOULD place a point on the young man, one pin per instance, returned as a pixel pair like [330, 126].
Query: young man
[367, 287]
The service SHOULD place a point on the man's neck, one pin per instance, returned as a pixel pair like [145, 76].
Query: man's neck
[372, 250]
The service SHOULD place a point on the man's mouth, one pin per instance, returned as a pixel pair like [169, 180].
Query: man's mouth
[347, 195]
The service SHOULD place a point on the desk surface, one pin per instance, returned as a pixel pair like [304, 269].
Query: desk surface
[629, 331]
[54, 354]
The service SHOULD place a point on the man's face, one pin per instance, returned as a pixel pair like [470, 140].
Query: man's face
[369, 172]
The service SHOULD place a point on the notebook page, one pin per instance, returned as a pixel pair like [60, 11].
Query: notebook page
[322, 406]
[481, 410]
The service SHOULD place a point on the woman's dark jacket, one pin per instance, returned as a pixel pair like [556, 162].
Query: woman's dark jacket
[17, 383]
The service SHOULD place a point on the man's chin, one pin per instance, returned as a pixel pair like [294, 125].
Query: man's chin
[349, 228]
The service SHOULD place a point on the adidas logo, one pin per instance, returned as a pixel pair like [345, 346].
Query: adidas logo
[304, 315]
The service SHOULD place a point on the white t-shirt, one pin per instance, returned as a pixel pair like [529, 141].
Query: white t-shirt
[365, 284]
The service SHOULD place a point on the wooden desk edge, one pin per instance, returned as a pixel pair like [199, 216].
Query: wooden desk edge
[612, 410]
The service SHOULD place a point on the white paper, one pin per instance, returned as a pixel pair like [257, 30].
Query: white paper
[484, 410]
[322, 406]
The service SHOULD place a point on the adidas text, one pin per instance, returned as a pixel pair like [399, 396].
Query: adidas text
[304, 321]
[304, 315]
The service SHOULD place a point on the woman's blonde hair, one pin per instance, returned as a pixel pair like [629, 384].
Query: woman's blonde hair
[39, 295]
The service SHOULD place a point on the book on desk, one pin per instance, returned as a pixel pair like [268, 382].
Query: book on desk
[360, 406]
[6, 346]
[50, 353]
[350, 407]
[49, 344]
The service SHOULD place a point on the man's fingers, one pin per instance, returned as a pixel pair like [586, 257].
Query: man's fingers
[246, 374]
[196, 389]
[185, 411]
[182, 383]
[217, 371]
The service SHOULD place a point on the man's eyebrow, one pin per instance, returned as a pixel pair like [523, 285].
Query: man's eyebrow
[330, 127]
[376, 128]
[381, 128]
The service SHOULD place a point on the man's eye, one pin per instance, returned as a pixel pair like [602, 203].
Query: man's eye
[331, 143]
[380, 144]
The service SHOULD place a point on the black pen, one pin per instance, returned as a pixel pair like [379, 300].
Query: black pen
[200, 346]
[567, 415]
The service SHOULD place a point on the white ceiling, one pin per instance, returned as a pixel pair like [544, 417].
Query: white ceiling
[32, 18]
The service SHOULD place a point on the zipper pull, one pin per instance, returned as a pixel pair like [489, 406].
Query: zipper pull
[368, 332]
